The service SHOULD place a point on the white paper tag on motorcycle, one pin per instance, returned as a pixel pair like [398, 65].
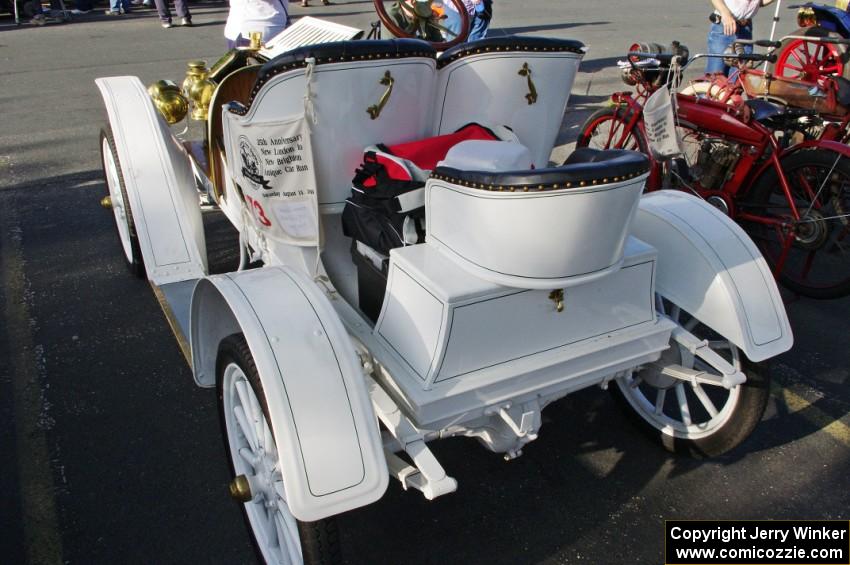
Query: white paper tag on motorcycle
[273, 164]
[660, 125]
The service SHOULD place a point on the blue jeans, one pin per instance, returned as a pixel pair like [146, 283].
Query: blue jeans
[118, 5]
[718, 42]
[478, 22]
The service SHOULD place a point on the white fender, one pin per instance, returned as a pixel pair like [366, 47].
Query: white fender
[160, 183]
[331, 453]
[711, 268]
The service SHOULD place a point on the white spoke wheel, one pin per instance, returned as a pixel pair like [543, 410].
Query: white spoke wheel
[700, 420]
[114, 179]
[280, 538]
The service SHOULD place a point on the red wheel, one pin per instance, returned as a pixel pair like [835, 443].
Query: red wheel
[419, 19]
[606, 129]
[812, 254]
[806, 60]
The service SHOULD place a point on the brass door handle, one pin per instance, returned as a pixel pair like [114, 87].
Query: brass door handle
[525, 71]
[375, 110]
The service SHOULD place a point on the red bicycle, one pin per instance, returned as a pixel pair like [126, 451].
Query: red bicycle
[792, 199]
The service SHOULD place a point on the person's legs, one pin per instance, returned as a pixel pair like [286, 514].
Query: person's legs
[744, 32]
[182, 9]
[479, 24]
[717, 43]
[162, 9]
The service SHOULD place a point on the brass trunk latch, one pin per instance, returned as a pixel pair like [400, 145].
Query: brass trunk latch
[557, 296]
[525, 71]
[388, 81]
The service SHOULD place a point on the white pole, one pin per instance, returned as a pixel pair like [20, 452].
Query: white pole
[775, 19]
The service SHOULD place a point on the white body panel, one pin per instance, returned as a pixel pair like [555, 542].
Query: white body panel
[542, 240]
[330, 449]
[446, 324]
[487, 89]
[711, 268]
[343, 128]
[160, 184]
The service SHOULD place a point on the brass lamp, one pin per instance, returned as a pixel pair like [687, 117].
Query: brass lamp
[169, 100]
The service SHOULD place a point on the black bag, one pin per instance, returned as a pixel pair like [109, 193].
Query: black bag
[378, 213]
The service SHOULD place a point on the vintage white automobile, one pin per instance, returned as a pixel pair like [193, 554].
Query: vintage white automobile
[497, 283]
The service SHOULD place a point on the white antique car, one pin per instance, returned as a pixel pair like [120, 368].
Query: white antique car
[335, 362]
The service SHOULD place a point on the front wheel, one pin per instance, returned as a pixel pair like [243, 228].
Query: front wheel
[809, 255]
[114, 177]
[700, 420]
[608, 128]
[280, 538]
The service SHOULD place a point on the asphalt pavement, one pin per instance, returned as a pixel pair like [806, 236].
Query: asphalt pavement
[110, 454]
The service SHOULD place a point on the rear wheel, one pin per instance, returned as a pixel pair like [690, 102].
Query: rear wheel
[812, 255]
[698, 419]
[809, 60]
[120, 201]
[607, 129]
[252, 450]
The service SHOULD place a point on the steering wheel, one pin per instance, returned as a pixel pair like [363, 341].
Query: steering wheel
[419, 19]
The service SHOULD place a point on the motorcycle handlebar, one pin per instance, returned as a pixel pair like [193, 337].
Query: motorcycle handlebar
[830, 40]
[760, 43]
[667, 58]
[758, 57]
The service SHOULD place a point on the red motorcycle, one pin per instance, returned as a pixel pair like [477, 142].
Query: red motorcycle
[793, 199]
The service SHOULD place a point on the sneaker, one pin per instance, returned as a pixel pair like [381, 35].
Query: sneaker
[79, 12]
[304, 4]
[38, 19]
[111, 13]
[166, 25]
[186, 22]
[147, 4]
[136, 2]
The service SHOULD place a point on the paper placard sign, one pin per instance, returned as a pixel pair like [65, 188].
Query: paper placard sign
[661, 125]
[273, 164]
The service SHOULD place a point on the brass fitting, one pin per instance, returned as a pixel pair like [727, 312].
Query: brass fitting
[198, 88]
[169, 100]
[240, 489]
[106, 202]
[256, 38]
[806, 17]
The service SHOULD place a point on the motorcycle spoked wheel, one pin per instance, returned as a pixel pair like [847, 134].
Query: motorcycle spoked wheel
[809, 60]
[817, 254]
[700, 420]
[606, 129]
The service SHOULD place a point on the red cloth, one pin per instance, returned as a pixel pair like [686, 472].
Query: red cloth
[426, 153]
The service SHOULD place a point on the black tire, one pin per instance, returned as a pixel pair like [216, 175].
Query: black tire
[133, 256]
[735, 423]
[838, 56]
[320, 539]
[818, 261]
[595, 135]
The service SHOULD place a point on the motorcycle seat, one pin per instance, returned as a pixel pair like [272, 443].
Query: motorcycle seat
[766, 112]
